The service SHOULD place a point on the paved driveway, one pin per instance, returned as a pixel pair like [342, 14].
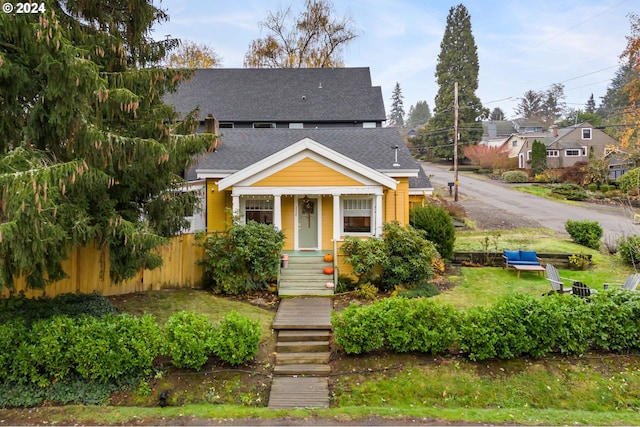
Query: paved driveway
[615, 221]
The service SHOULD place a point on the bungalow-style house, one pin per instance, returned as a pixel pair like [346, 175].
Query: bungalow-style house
[568, 146]
[335, 173]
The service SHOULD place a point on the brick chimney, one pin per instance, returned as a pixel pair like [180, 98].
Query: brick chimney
[554, 131]
[212, 125]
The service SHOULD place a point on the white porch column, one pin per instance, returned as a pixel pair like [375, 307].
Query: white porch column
[235, 203]
[378, 215]
[337, 224]
[277, 211]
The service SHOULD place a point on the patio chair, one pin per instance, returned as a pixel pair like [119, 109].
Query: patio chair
[557, 284]
[631, 284]
[581, 290]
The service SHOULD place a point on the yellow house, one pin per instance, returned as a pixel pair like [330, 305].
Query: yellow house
[316, 185]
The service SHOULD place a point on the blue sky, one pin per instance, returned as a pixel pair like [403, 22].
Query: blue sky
[522, 45]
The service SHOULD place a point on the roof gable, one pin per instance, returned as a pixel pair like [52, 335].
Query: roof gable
[306, 147]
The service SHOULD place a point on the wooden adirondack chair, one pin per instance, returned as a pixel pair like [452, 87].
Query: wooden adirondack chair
[631, 284]
[557, 284]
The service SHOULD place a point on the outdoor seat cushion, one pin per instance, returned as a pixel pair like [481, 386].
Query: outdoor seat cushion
[521, 257]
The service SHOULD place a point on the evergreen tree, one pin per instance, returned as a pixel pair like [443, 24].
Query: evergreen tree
[530, 106]
[457, 62]
[616, 99]
[88, 154]
[497, 114]
[538, 158]
[590, 107]
[418, 115]
[396, 117]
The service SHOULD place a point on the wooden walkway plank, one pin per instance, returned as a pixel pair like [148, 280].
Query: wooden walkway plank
[304, 313]
[299, 392]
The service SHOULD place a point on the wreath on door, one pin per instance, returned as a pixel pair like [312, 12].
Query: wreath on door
[307, 208]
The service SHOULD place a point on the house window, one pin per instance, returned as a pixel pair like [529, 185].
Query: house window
[357, 215]
[226, 125]
[528, 155]
[572, 153]
[553, 153]
[296, 126]
[586, 133]
[259, 210]
[585, 151]
[514, 143]
[261, 125]
[368, 125]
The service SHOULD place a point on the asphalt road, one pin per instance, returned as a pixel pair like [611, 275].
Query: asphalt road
[615, 221]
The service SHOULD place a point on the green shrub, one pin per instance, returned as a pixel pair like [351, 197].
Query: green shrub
[569, 191]
[51, 340]
[593, 187]
[409, 256]
[586, 233]
[366, 291]
[630, 181]
[14, 334]
[438, 225]
[345, 284]
[418, 325]
[71, 305]
[190, 339]
[115, 346]
[358, 329]
[242, 258]
[604, 188]
[365, 257]
[237, 339]
[515, 177]
[617, 316]
[629, 249]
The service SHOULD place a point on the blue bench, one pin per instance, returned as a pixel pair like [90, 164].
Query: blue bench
[514, 258]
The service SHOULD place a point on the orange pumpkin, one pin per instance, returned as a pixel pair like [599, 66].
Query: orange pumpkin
[328, 257]
[327, 270]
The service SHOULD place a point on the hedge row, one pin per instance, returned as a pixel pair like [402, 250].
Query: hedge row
[518, 325]
[118, 346]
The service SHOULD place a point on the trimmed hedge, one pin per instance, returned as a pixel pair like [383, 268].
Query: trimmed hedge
[518, 325]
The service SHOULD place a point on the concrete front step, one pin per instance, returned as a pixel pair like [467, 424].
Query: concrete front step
[305, 292]
[303, 369]
[302, 346]
[285, 335]
[302, 358]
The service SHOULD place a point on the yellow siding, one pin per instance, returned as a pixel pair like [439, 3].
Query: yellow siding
[288, 226]
[88, 270]
[217, 202]
[327, 223]
[306, 172]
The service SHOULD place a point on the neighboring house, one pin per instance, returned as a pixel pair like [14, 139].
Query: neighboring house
[336, 173]
[515, 142]
[568, 146]
[619, 163]
[283, 97]
[495, 132]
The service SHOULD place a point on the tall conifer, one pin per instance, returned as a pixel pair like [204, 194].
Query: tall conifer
[88, 151]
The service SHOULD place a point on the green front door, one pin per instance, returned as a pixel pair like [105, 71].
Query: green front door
[308, 223]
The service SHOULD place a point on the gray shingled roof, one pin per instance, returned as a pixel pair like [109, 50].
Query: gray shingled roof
[373, 147]
[291, 95]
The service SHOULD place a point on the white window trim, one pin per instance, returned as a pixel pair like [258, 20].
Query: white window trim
[553, 153]
[369, 125]
[263, 125]
[372, 222]
[296, 125]
[566, 152]
[590, 133]
[243, 207]
[528, 155]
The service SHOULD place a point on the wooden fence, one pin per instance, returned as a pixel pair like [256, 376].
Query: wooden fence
[88, 271]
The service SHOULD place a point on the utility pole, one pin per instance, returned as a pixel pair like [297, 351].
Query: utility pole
[455, 141]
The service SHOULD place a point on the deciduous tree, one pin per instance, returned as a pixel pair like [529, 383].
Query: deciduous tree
[629, 135]
[314, 38]
[193, 55]
[88, 154]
